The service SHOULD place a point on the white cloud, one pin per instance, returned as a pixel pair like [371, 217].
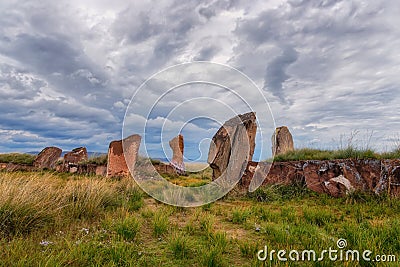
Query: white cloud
[119, 105]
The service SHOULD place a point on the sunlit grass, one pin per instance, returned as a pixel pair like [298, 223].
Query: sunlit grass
[71, 220]
[197, 178]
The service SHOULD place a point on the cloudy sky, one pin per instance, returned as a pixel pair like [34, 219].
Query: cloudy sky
[68, 69]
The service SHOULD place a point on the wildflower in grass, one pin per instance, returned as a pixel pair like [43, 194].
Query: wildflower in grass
[45, 243]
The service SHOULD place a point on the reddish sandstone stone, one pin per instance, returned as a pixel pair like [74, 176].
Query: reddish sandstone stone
[117, 163]
[76, 155]
[47, 158]
[338, 186]
[390, 177]
[282, 141]
[101, 170]
[334, 177]
[176, 145]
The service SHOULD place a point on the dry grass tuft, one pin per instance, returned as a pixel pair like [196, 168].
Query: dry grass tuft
[29, 201]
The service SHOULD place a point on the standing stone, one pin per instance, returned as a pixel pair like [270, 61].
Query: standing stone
[76, 155]
[47, 158]
[220, 147]
[117, 164]
[177, 146]
[282, 141]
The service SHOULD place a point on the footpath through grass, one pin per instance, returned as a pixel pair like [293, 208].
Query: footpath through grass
[49, 219]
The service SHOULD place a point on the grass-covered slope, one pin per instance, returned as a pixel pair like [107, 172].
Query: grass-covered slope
[69, 220]
[348, 153]
[17, 158]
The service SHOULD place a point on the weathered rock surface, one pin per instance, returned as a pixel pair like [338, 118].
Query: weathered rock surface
[391, 177]
[71, 160]
[177, 146]
[334, 177]
[11, 167]
[163, 168]
[282, 141]
[363, 175]
[61, 167]
[76, 155]
[101, 170]
[47, 158]
[338, 186]
[219, 154]
[117, 163]
[86, 169]
[83, 169]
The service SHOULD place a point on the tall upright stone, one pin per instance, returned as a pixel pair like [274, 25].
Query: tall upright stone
[118, 163]
[282, 141]
[219, 154]
[47, 158]
[177, 146]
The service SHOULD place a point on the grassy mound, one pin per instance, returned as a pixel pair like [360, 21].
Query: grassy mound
[17, 158]
[348, 153]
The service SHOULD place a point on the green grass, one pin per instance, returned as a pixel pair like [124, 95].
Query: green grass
[347, 153]
[219, 240]
[127, 228]
[213, 257]
[71, 220]
[206, 223]
[248, 249]
[395, 154]
[17, 158]
[317, 154]
[319, 217]
[160, 223]
[239, 216]
[180, 246]
[281, 192]
[194, 179]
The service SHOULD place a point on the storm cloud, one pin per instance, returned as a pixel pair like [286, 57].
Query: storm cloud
[68, 69]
